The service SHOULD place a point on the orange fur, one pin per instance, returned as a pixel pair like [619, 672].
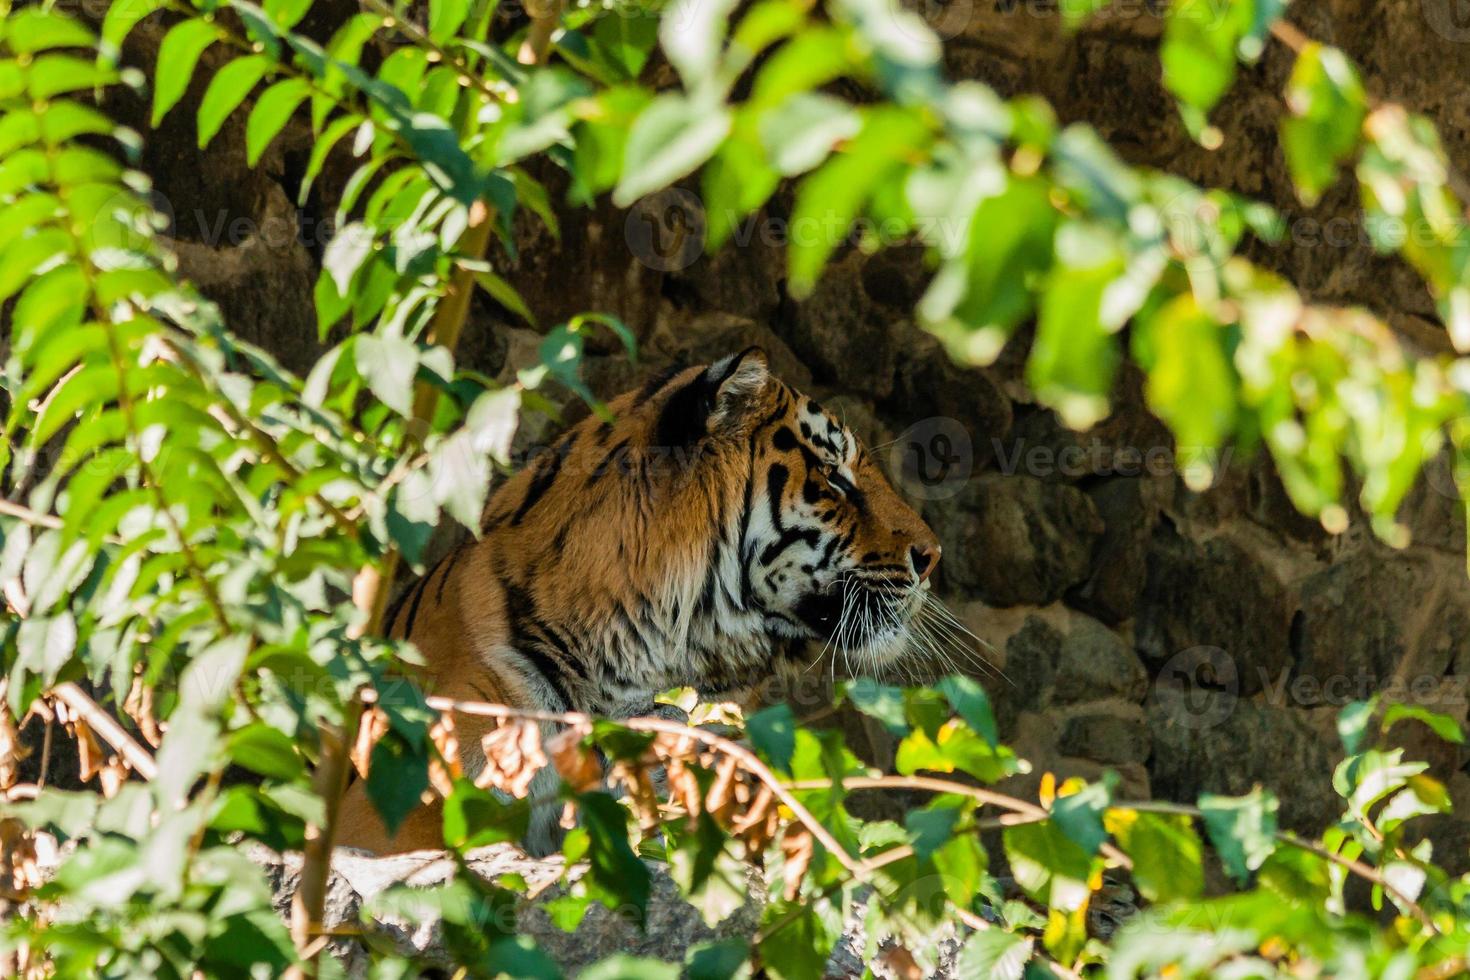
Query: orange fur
[618, 562]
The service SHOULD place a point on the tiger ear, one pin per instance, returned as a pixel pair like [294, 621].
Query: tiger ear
[715, 400]
[737, 381]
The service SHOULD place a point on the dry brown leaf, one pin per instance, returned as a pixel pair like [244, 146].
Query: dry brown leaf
[444, 769]
[798, 846]
[11, 750]
[900, 962]
[722, 794]
[89, 751]
[373, 726]
[575, 762]
[112, 775]
[139, 707]
[684, 787]
[513, 756]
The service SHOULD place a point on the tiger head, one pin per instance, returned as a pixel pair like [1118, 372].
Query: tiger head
[714, 529]
[827, 551]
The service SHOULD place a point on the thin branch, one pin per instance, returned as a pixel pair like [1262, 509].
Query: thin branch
[32, 517]
[139, 759]
[545, 16]
[740, 753]
[1022, 808]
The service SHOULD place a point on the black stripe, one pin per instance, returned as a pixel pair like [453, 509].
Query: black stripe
[418, 596]
[607, 462]
[542, 477]
[655, 384]
[810, 535]
[520, 612]
[439, 593]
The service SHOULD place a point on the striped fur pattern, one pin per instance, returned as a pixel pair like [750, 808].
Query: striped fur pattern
[723, 528]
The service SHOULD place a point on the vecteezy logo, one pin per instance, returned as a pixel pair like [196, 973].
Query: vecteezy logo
[1197, 688]
[932, 459]
[665, 231]
[1450, 19]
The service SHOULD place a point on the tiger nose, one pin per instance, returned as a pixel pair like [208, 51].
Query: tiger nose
[924, 557]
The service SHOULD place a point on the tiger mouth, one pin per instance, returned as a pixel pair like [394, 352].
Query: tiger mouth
[853, 613]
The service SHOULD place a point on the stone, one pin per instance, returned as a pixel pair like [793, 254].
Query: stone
[1376, 614]
[1015, 540]
[1104, 737]
[1119, 565]
[1211, 741]
[1094, 663]
[842, 339]
[1031, 658]
[1214, 594]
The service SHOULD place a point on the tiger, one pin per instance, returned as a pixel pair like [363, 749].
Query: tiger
[709, 531]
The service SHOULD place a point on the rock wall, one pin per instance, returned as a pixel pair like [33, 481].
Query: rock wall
[1191, 641]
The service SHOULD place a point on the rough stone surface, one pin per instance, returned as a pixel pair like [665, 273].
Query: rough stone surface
[1214, 593]
[1045, 531]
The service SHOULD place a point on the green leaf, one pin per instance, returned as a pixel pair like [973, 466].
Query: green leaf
[286, 14]
[1048, 865]
[229, 87]
[389, 366]
[692, 40]
[830, 199]
[1198, 52]
[32, 29]
[1165, 851]
[993, 954]
[46, 643]
[177, 56]
[397, 777]
[1441, 724]
[272, 110]
[773, 733]
[621, 878]
[1326, 106]
[800, 132]
[1191, 382]
[445, 18]
[474, 817]
[669, 139]
[265, 750]
[1075, 354]
[955, 747]
[119, 22]
[725, 959]
[1352, 723]
[345, 254]
[1079, 815]
[505, 294]
[881, 701]
[1242, 828]
[800, 948]
[971, 703]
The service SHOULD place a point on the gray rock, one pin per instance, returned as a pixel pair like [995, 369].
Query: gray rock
[1214, 594]
[1094, 663]
[1016, 540]
[1373, 615]
[1213, 741]
[1119, 568]
[1109, 738]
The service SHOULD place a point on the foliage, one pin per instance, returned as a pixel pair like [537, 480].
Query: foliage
[184, 520]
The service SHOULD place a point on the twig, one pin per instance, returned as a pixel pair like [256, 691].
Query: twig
[1022, 808]
[139, 759]
[740, 753]
[545, 16]
[33, 517]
